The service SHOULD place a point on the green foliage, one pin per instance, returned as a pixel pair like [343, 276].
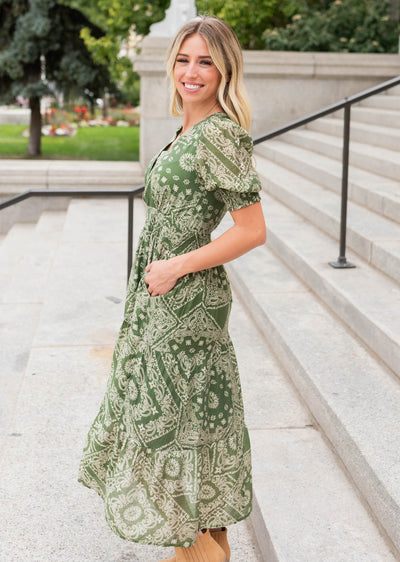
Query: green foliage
[129, 84]
[33, 29]
[249, 21]
[118, 19]
[91, 143]
[359, 26]
[309, 25]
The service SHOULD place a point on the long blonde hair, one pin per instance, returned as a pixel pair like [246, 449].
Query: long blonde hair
[226, 54]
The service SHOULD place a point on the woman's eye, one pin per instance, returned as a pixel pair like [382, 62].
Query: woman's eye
[203, 62]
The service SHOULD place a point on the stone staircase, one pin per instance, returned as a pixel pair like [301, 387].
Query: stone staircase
[335, 332]
[318, 352]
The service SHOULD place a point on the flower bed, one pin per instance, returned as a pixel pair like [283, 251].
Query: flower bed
[62, 123]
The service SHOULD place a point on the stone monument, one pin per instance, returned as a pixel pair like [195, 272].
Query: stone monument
[178, 13]
[157, 125]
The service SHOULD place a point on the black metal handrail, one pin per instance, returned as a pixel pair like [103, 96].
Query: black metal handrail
[129, 193]
[345, 104]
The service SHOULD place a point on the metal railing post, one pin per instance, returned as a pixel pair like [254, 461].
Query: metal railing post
[342, 261]
[130, 234]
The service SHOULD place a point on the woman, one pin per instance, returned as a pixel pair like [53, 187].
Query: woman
[169, 451]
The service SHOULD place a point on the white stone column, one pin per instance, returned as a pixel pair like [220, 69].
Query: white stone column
[178, 13]
[157, 125]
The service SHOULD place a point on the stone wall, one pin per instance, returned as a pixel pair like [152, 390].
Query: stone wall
[282, 86]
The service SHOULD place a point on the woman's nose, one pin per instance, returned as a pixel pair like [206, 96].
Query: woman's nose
[191, 70]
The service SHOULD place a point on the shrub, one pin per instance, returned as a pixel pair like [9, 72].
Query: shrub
[250, 20]
[358, 26]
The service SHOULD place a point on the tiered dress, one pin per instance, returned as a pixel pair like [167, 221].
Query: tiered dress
[169, 450]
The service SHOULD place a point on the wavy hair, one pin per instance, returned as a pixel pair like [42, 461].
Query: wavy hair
[226, 53]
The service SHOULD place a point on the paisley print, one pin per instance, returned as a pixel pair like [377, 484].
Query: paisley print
[169, 450]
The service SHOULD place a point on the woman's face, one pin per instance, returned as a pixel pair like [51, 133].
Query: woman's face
[195, 74]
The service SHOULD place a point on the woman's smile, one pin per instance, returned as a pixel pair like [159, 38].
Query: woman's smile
[192, 87]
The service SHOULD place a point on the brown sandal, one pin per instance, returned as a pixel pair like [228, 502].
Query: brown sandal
[205, 549]
[221, 537]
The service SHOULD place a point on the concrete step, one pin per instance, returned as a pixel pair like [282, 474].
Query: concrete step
[381, 117]
[33, 248]
[27, 282]
[385, 137]
[11, 248]
[353, 397]
[17, 328]
[381, 195]
[395, 91]
[292, 462]
[365, 299]
[86, 275]
[20, 175]
[383, 102]
[377, 160]
[375, 238]
[29, 210]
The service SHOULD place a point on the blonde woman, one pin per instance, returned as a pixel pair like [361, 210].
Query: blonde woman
[169, 450]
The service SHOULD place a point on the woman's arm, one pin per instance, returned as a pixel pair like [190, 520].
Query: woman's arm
[248, 232]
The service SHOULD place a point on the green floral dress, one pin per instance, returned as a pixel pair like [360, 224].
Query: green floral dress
[169, 451]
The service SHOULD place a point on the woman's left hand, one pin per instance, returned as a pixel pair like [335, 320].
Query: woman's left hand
[161, 277]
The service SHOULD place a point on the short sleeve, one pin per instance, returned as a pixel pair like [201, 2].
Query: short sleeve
[224, 163]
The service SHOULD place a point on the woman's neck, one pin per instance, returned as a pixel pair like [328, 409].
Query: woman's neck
[192, 115]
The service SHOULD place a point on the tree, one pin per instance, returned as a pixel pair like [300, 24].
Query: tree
[119, 20]
[120, 17]
[42, 52]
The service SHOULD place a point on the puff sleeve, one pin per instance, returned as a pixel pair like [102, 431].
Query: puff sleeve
[224, 163]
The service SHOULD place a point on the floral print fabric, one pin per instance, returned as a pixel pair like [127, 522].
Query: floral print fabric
[169, 450]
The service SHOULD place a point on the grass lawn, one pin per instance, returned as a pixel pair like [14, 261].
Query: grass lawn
[91, 143]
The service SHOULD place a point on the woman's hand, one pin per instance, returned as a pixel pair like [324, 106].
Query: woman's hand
[161, 277]
[248, 232]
